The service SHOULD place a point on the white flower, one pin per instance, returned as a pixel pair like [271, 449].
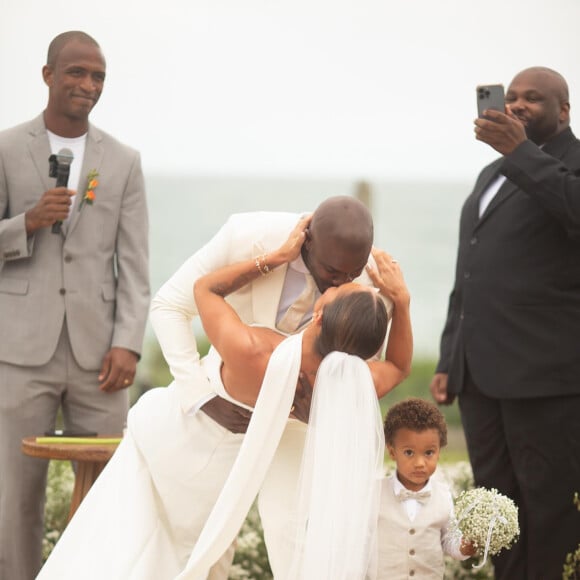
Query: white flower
[488, 519]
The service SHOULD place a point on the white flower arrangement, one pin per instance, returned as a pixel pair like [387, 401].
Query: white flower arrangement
[488, 519]
[58, 495]
[251, 560]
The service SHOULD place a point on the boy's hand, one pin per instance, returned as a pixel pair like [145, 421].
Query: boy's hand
[467, 548]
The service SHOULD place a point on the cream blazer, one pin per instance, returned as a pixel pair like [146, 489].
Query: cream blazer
[242, 237]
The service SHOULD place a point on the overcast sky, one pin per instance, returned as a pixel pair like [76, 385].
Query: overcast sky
[378, 89]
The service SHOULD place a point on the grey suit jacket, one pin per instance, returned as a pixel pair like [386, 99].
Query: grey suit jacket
[95, 275]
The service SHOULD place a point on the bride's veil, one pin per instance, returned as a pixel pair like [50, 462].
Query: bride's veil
[342, 465]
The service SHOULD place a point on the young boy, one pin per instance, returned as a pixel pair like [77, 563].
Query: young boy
[416, 510]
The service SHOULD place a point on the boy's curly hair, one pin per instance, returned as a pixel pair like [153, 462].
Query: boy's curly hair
[417, 415]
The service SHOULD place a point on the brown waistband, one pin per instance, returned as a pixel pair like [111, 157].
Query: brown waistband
[229, 415]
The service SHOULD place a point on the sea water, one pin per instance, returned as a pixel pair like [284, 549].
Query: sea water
[415, 221]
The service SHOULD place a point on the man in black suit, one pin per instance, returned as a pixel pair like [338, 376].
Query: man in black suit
[510, 349]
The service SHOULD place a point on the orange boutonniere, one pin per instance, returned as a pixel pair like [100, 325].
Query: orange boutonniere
[92, 183]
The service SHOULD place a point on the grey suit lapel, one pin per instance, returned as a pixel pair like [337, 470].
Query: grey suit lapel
[92, 160]
[40, 151]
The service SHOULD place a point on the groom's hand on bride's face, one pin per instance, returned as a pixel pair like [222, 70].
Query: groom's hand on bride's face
[302, 399]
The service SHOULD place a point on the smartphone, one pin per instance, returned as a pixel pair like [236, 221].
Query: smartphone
[490, 97]
[67, 433]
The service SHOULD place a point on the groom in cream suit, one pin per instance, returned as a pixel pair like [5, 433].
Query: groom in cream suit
[336, 251]
[73, 304]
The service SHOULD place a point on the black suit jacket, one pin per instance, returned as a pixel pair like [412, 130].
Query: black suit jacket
[514, 312]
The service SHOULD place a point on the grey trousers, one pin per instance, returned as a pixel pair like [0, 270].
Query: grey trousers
[30, 398]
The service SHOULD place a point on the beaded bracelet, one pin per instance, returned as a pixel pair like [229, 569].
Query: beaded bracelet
[263, 268]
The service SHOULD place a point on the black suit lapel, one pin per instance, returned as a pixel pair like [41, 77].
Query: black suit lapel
[471, 209]
[505, 191]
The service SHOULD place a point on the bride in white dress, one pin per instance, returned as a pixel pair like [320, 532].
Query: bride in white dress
[156, 512]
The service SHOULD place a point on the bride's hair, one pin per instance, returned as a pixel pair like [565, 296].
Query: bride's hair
[355, 323]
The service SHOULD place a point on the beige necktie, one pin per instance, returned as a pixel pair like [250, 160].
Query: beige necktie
[290, 322]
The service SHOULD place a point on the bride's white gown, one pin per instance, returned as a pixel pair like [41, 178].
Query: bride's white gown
[144, 514]
[175, 493]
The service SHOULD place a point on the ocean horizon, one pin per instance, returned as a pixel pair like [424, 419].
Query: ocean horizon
[415, 221]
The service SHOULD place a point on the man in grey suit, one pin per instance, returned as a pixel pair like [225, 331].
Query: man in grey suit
[73, 304]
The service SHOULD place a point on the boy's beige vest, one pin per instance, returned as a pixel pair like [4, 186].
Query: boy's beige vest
[412, 549]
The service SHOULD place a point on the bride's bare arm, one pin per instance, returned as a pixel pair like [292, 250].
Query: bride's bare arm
[388, 278]
[223, 327]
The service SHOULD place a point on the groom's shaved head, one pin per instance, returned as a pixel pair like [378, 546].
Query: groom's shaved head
[338, 241]
[345, 220]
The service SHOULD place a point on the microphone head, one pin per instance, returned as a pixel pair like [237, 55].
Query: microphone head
[64, 156]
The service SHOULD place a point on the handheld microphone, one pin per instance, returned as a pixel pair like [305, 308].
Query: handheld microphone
[60, 168]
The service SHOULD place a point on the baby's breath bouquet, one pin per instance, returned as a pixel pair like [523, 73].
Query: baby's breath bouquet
[488, 519]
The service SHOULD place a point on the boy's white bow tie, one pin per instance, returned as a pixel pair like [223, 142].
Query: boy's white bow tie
[421, 496]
